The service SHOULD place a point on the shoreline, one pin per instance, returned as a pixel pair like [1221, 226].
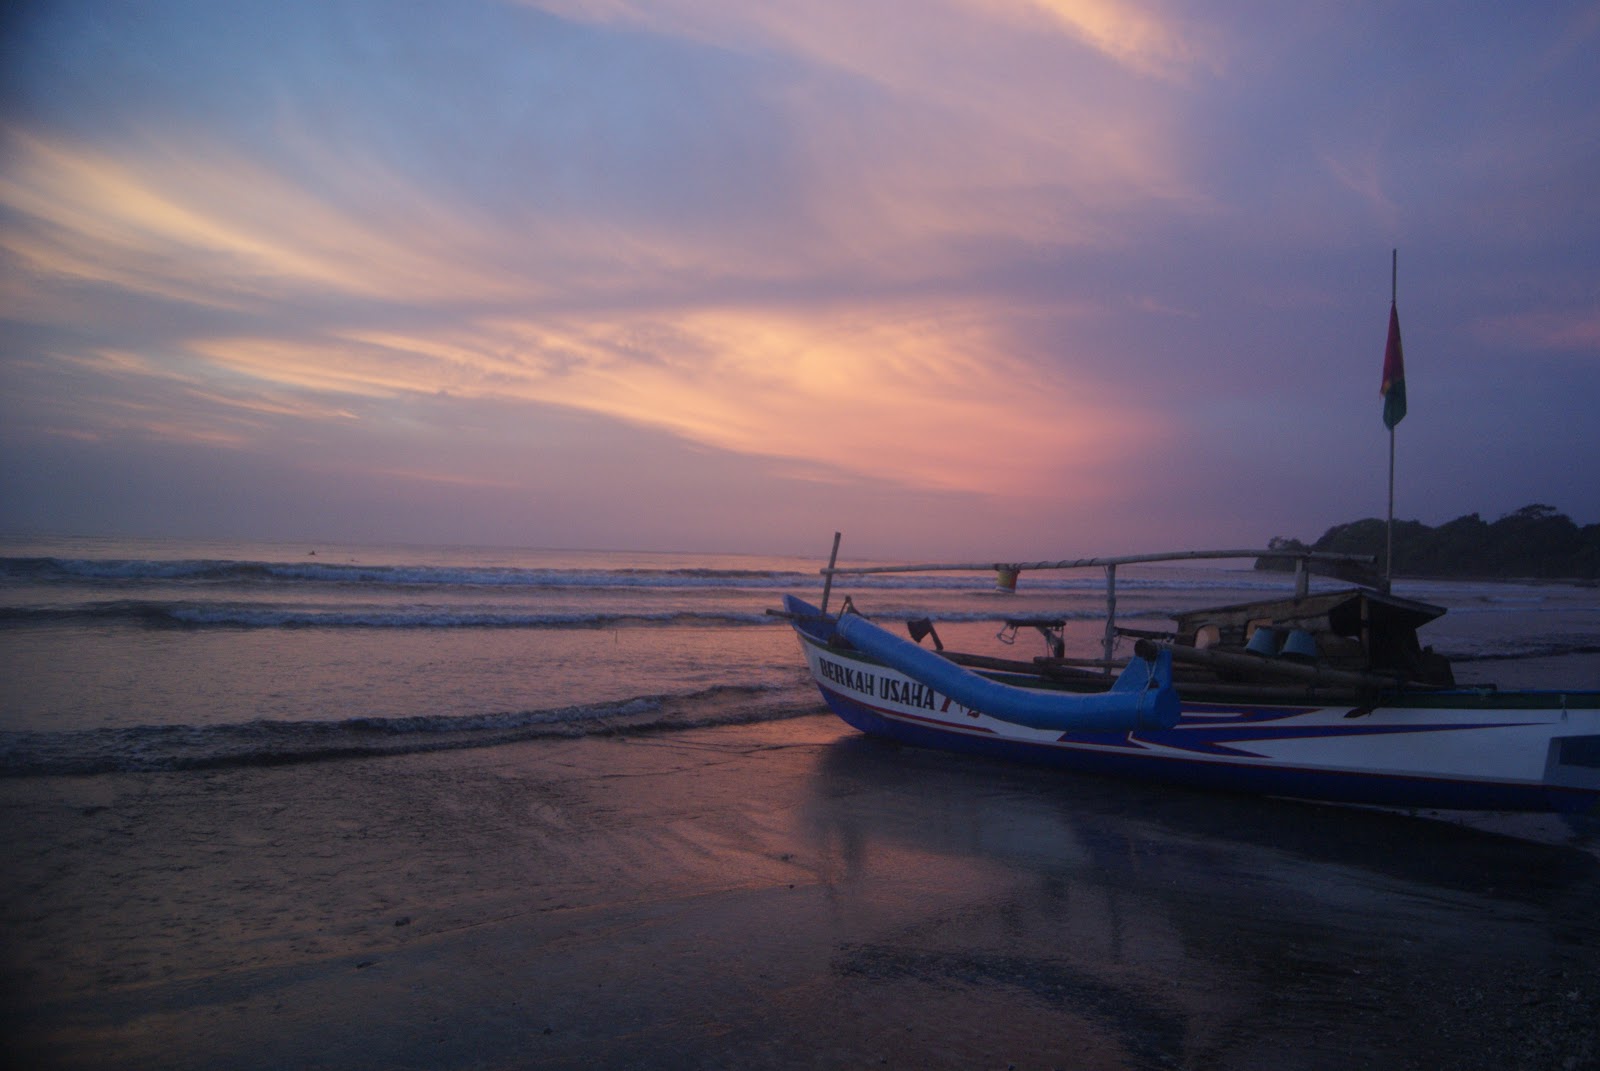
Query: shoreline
[778, 894]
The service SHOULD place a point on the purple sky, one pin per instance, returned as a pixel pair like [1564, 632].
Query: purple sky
[1012, 278]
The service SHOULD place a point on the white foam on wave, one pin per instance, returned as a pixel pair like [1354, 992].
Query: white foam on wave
[217, 571]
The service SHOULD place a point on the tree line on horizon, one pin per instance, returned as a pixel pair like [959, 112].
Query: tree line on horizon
[1534, 541]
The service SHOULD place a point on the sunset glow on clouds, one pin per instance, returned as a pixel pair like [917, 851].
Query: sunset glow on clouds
[1028, 275]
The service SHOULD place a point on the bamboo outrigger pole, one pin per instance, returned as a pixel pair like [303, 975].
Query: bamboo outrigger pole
[1302, 558]
[827, 585]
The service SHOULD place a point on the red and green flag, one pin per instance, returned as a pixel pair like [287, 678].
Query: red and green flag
[1394, 374]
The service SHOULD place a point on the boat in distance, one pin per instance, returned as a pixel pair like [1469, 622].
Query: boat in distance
[1322, 696]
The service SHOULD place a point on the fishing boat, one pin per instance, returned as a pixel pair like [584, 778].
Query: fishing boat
[1324, 695]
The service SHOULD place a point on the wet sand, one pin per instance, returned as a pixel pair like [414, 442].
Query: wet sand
[777, 895]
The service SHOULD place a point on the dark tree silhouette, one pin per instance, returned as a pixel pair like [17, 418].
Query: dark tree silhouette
[1535, 541]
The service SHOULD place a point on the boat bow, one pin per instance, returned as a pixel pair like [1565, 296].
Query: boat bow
[1142, 697]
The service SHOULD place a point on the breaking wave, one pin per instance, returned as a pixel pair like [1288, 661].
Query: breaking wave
[207, 571]
[155, 748]
[1517, 650]
[199, 615]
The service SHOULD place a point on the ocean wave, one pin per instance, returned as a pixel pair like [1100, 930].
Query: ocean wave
[1513, 606]
[200, 615]
[155, 748]
[222, 571]
[1514, 649]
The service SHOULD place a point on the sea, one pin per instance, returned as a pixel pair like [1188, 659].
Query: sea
[130, 655]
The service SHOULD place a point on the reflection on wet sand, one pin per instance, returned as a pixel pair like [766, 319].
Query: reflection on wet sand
[1196, 929]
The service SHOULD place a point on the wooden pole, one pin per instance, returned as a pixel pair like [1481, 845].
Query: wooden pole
[1388, 554]
[1109, 643]
[827, 585]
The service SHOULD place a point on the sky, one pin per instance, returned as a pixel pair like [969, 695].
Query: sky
[1005, 278]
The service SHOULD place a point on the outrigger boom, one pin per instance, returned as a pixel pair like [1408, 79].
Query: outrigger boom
[1348, 566]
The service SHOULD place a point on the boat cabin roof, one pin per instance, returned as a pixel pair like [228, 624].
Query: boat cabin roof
[1344, 613]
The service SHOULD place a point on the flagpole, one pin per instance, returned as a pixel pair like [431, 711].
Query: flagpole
[1388, 556]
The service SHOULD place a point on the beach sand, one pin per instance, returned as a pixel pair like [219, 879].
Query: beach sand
[776, 895]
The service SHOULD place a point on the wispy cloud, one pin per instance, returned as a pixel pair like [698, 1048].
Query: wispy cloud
[919, 394]
[192, 223]
[1141, 36]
